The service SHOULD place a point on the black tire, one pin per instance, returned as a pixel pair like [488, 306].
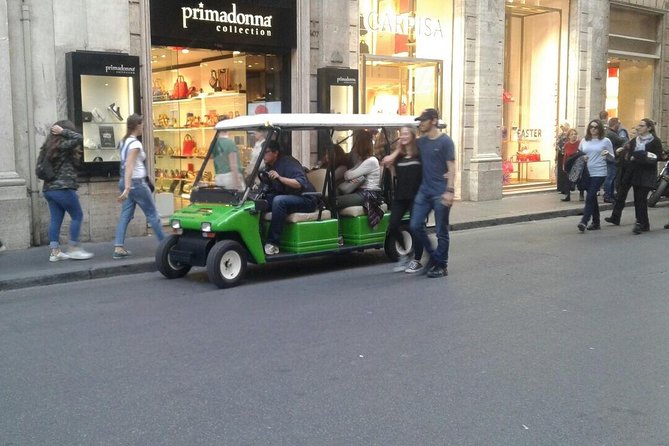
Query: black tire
[657, 193]
[394, 249]
[226, 263]
[167, 268]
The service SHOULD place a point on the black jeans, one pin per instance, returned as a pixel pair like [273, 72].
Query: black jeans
[397, 211]
[640, 204]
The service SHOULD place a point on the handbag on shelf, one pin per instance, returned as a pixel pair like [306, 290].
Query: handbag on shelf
[180, 90]
[188, 146]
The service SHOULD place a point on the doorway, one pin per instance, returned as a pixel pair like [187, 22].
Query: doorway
[532, 55]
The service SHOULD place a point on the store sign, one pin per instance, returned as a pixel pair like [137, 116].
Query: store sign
[404, 24]
[528, 134]
[121, 70]
[346, 80]
[224, 24]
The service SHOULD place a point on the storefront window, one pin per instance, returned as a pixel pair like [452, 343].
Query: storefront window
[633, 53]
[535, 46]
[403, 47]
[192, 90]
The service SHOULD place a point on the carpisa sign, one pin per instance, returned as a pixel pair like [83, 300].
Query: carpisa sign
[221, 24]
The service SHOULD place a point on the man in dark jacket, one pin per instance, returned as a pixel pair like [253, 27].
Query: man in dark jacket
[287, 182]
[609, 182]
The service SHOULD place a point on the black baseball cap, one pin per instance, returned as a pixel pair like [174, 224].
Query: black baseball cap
[428, 113]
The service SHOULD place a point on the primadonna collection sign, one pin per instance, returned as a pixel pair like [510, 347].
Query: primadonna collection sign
[224, 24]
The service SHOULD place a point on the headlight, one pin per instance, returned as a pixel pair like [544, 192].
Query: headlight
[176, 224]
[206, 227]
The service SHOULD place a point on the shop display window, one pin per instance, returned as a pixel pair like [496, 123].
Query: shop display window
[192, 90]
[103, 89]
[403, 51]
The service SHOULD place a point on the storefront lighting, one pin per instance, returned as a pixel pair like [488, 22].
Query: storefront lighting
[185, 51]
[236, 53]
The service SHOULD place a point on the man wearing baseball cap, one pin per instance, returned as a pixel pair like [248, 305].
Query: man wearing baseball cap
[436, 192]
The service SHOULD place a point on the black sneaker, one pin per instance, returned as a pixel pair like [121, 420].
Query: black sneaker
[581, 227]
[437, 271]
[428, 266]
[593, 227]
[612, 221]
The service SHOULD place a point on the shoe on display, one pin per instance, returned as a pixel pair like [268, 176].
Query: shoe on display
[97, 116]
[437, 271]
[271, 249]
[57, 255]
[401, 264]
[78, 253]
[115, 111]
[414, 267]
[120, 253]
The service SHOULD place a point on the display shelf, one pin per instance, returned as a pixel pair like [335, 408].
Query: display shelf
[202, 96]
[181, 129]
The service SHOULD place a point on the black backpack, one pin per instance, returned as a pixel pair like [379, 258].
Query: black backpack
[44, 168]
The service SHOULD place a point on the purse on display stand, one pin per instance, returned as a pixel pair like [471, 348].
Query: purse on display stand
[214, 81]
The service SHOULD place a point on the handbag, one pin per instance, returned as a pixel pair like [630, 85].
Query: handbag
[180, 90]
[188, 146]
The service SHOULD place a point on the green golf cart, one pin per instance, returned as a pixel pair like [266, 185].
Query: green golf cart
[223, 229]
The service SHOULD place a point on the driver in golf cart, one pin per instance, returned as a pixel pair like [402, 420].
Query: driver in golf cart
[287, 182]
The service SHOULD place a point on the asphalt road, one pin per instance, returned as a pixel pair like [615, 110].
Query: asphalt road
[540, 336]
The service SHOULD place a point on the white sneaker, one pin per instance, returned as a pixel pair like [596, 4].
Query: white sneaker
[401, 264]
[78, 253]
[271, 249]
[414, 267]
[56, 255]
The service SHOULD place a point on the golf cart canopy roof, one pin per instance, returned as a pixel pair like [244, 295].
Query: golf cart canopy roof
[314, 121]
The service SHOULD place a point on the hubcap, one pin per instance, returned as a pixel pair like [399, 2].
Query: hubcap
[231, 265]
[406, 237]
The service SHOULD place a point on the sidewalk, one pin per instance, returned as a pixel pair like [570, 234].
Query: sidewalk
[31, 267]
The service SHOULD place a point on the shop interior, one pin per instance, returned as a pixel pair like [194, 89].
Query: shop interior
[192, 90]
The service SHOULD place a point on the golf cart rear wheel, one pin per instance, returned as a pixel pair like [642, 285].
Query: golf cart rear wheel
[394, 249]
[226, 263]
[657, 193]
[168, 268]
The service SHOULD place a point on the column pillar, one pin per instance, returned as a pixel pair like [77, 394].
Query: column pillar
[15, 227]
[482, 100]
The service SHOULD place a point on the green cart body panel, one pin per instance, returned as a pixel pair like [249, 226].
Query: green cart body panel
[356, 231]
[308, 236]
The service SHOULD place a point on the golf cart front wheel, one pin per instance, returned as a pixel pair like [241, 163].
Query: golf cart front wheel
[393, 247]
[226, 263]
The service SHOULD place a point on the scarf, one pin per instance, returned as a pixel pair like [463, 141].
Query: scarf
[641, 141]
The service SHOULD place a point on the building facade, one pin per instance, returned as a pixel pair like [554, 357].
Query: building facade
[503, 73]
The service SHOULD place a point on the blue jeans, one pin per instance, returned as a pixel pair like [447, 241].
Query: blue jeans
[609, 181]
[422, 205]
[283, 205]
[140, 194]
[61, 201]
[591, 204]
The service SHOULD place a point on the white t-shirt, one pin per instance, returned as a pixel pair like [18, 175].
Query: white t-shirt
[596, 162]
[139, 169]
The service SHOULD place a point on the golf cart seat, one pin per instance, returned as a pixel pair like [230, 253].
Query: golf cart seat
[355, 211]
[297, 217]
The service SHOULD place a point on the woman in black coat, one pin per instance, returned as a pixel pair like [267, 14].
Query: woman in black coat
[637, 168]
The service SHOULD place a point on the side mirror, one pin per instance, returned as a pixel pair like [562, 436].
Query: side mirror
[261, 205]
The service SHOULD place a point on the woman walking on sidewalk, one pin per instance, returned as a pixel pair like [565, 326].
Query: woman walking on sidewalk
[637, 168]
[63, 153]
[134, 187]
[596, 148]
[407, 171]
